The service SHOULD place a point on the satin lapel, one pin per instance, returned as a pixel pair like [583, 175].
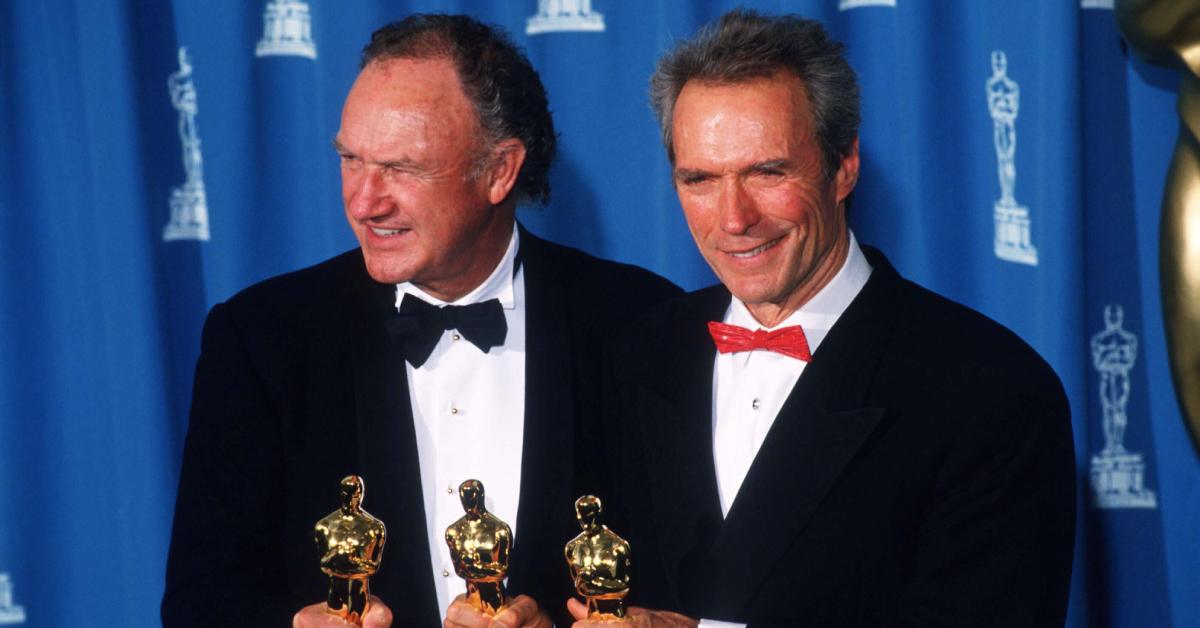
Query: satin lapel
[674, 412]
[547, 446]
[820, 428]
[388, 456]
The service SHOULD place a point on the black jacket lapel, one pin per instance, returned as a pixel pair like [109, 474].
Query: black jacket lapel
[388, 456]
[546, 455]
[820, 428]
[675, 406]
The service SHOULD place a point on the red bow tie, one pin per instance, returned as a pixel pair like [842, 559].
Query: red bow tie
[789, 341]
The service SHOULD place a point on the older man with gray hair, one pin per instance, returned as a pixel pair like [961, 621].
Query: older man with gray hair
[451, 344]
[816, 440]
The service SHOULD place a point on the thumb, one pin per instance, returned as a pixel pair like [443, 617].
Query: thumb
[577, 609]
[378, 615]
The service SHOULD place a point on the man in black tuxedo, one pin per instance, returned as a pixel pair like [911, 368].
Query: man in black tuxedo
[817, 441]
[451, 345]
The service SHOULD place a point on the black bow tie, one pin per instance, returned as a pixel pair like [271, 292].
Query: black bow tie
[419, 325]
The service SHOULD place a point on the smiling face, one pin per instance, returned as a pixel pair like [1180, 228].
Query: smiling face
[422, 208]
[748, 172]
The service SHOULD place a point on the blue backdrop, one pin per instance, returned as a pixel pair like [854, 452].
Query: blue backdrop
[156, 157]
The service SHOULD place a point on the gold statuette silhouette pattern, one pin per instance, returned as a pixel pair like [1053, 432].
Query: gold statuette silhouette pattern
[1169, 31]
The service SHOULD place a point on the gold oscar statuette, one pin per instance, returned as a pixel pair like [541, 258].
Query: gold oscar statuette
[599, 563]
[351, 544]
[479, 544]
[1168, 31]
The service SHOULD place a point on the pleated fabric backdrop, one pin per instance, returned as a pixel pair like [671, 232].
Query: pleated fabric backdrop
[156, 157]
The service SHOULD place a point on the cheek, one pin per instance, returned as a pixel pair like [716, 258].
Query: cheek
[786, 204]
[349, 184]
[700, 214]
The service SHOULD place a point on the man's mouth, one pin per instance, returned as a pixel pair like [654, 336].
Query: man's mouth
[758, 249]
[383, 233]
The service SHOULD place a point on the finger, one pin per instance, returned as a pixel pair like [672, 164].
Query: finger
[298, 618]
[312, 616]
[577, 609]
[519, 611]
[646, 617]
[463, 615]
[378, 614]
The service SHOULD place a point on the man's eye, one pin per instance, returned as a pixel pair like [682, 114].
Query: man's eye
[394, 172]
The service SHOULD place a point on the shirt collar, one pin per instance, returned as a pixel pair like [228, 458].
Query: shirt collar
[823, 310]
[498, 285]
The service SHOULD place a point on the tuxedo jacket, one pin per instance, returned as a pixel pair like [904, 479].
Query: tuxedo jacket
[920, 473]
[298, 385]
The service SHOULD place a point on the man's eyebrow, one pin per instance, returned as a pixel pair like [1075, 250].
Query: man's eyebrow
[689, 173]
[757, 167]
[770, 164]
[403, 163]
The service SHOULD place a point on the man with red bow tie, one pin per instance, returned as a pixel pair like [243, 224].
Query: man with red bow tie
[817, 441]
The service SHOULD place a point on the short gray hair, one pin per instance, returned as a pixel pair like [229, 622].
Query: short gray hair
[743, 45]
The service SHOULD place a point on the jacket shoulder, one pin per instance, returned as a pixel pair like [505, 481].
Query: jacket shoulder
[604, 284]
[298, 287]
[944, 348]
[958, 332]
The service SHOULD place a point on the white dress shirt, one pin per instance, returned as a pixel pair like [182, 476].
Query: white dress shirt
[469, 413]
[749, 388]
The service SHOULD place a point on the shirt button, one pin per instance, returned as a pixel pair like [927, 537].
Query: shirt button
[455, 336]
[445, 573]
[453, 410]
[754, 404]
[449, 489]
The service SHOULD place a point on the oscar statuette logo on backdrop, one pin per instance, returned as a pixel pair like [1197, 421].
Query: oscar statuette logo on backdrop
[563, 16]
[287, 30]
[1012, 242]
[189, 204]
[1118, 475]
[10, 612]
[846, 5]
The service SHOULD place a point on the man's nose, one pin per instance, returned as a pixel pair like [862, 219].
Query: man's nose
[367, 194]
[738, 212]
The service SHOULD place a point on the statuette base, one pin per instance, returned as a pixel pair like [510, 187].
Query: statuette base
[486, 597]
[607, 609]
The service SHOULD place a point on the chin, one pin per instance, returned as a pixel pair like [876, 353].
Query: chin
[385, 274]
[750, 291]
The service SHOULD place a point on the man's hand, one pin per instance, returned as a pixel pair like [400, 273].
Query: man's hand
[378, 615]
[520, 612]
[638, 618]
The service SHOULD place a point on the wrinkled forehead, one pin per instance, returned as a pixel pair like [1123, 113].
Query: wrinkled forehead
[719, 126]
[424, 91]
[782, 95]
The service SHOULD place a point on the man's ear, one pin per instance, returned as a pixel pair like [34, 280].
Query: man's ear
[847, 174]
[504, 164]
